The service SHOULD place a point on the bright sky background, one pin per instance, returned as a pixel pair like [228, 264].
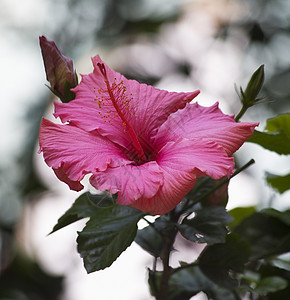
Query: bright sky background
[22, 87]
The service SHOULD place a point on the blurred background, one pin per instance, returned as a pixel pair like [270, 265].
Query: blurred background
[175, 45]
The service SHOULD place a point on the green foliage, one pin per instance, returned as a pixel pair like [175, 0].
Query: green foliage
[106, 235]
[239, 213]
[207, 226]
[279, 183]
[84, 206]
[273, 282]
[268, 234]
[242, 264]
[270, 285]
[277, 135]
[219, 261]
[279, 123]
[187, 282]
[25, 279]
[283, 216]
[109, 231]
[150, 240]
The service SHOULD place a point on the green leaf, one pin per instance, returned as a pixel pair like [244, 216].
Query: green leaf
[280, 183]
[279, 123]
[266, 233]
[154, 281]
[207, 226]
[278, 143]
[239, 213]
[83, 207]
[277, 135]
[283, 216]
[150, 240]
[219, 261]
[190, 281]
[106, 235]
[186, 283]
[270, 285]
[281, 291]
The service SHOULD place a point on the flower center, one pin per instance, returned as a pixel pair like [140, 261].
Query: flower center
[130, 129]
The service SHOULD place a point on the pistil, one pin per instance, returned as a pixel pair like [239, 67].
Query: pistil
[131, 131]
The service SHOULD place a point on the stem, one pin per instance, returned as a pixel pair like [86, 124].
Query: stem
[168, 239]
[241, 112]
[154, 264]
[167, 271]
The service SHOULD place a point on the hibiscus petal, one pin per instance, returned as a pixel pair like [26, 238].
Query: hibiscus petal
[144, 106]
[196, 121]
[177, 184]
[206, 156]
[130, 182]
[181, 162]
[73, 152]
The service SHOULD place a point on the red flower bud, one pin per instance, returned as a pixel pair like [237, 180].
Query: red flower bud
[59, 70]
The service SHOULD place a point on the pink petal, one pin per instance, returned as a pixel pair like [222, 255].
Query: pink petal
[73, 152]
[206, 156]
[181, 162]
[130, 182]
[177, 184]
[196, 121]
[145, 108]
[62, 176]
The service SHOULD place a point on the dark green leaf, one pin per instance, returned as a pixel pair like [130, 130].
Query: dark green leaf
[267, 271]
[106, 235]
[270, 285]
[280, 183]
[266, 234]
[283, 216]
[24, 279]
[164, 223]
[239, 213]
[207, 226]
[277, 135]
[154, 281]
[218, 262]
[83, 207]
[190, 281]
[186, 283]
[150, 240]
[151, 237]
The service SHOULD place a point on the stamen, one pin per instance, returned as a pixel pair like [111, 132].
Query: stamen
[126, 124]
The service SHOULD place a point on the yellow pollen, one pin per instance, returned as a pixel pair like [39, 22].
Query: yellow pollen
[119, 91]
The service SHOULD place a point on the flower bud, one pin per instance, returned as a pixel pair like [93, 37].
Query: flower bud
[59, 70]
[248, 97]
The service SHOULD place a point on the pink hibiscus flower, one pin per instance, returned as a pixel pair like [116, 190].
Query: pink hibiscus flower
[147, 145]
